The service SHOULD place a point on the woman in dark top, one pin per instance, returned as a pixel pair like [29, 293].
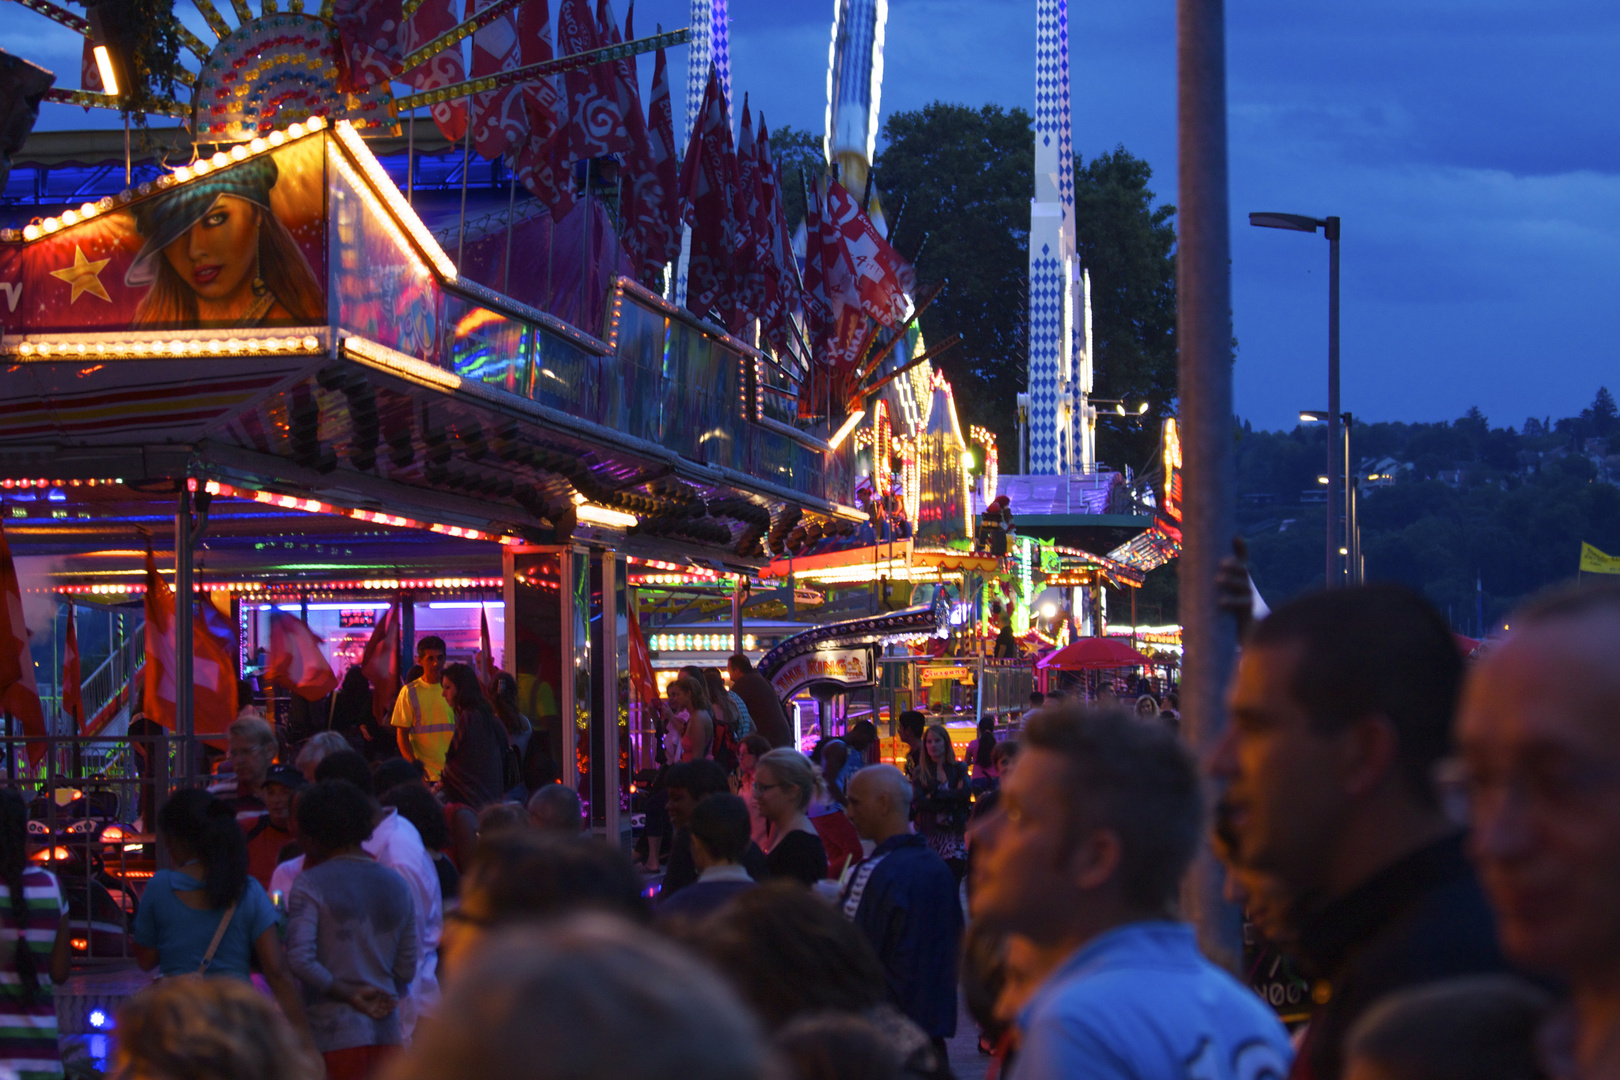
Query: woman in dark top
[784, 783]
[474, 766]
[943, 798]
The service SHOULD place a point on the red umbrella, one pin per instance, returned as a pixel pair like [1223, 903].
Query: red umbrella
[1093, 653]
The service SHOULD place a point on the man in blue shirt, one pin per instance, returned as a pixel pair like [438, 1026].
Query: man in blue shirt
[904, 898]
[1085, 854]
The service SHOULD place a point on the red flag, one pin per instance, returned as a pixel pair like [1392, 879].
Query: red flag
[369, 31]
[72, 681]
[213, 674]
[19, 693]
[641, 671]
[542, 99]
[596, 127]
[486, 654]
[296, 660]
[783, 292]
[428, 21]
[540, 164]
[500, 119]
[708, 181]
[654, 229]
[881, 278]
[747, 269]
[380, 663]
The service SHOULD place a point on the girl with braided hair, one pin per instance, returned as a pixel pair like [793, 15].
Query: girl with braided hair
[33, 950]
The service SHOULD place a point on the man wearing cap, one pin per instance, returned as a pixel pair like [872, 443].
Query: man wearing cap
[272, 831]
[423, 720]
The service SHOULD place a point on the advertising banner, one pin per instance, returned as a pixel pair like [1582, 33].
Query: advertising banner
[238, 245]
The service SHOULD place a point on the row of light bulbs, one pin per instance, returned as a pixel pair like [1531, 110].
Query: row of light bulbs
[202, 167]
[210, 347]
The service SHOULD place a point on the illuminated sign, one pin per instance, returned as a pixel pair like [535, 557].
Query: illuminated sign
[850, 667]
[1172, 468]
[931, 675]
[353, 619]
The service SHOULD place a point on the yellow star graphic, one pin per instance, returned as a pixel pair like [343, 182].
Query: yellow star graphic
[83, 275]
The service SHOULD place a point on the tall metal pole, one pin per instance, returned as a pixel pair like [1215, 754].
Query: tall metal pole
[1204, 336]
[183, 659]
[1335, 576]
[1352, 535]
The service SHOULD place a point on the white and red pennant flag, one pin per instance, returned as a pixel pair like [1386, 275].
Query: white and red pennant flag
[380, 664]
[428, 21]
[213, 678]
[882, 279]
[19, 692]
[500, 120]
[708, 186]
[72, 679]
[537, 165]
[296, 660]
[749, 269]
[373, 46]
[653, 227]
[783, 292]
[595, 124]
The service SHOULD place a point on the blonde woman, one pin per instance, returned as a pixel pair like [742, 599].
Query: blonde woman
[784, 783]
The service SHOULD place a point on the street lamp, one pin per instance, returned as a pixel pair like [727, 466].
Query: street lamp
[1351, 548]
[1330, 229]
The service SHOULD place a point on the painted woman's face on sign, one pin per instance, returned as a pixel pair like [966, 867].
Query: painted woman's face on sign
[216, 256]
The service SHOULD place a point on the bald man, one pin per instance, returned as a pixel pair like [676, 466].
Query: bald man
[1539, 733]
[903, 897]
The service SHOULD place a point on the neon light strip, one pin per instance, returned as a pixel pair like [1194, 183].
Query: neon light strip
[315, 506]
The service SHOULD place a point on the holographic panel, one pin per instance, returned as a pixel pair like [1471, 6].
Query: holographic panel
[486, 346]
[384, 291]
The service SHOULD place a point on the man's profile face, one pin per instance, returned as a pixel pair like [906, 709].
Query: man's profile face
[1539, 734]
[1021, 882]
[432, 661]
[865, 806]
[1282, 791]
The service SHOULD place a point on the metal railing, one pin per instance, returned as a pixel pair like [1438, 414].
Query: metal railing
[92, 809]
[106, 689]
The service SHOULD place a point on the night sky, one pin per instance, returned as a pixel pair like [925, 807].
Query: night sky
[1472, 148]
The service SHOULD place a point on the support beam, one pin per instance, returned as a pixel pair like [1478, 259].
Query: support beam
[184, 661]
[1204, 337]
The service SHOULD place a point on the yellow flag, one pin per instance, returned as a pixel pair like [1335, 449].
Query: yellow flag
[1594, 561]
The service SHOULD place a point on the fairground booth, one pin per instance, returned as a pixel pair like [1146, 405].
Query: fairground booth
[356, 436]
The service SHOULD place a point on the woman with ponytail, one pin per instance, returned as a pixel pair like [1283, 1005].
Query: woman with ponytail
[33, 942]
[206, 916]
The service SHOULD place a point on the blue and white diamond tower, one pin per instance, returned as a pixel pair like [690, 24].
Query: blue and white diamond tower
[1060, 419]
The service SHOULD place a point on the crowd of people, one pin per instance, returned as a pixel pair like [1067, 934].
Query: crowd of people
[1434, 845]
